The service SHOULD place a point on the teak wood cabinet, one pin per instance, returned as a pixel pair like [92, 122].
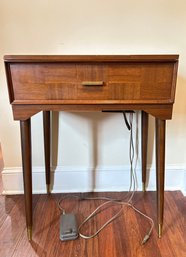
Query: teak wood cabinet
[91, 83]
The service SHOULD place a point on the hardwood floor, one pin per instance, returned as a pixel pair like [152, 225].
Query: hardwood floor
[122, 238]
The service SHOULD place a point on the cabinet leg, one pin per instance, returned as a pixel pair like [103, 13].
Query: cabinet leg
[144, 140]
[27, 171]
[46, 128]
[160, 171]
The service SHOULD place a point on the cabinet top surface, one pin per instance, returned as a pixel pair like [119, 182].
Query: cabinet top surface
[91, 58]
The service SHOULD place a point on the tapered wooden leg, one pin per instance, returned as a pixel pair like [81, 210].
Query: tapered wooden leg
[46, 127]
[144, 141]
[160, 171]
[27, 172]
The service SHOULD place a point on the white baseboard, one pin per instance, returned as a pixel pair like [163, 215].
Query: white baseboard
[82, 179]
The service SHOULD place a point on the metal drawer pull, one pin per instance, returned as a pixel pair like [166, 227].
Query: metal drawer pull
[92, 83]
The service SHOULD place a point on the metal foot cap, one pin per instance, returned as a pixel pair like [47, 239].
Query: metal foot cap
[159, 230]
[29, 233]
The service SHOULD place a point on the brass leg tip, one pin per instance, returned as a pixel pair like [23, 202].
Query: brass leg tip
[143, 187]
[159, 230]
[48, 188]
[29, 233]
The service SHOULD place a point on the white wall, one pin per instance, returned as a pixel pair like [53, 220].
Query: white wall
[87, 140]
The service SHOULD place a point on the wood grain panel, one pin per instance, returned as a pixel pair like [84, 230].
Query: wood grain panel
[61, 81]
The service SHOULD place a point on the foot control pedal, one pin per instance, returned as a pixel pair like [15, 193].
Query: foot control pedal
[68, 227]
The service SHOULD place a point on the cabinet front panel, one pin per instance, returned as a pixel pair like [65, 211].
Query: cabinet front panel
[92, 81]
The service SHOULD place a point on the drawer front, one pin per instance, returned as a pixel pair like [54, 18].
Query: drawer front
[65, 81]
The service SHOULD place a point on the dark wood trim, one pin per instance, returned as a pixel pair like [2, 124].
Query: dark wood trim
[91, 58]
[92, 102]
[9, 82]
[23, 112]
[173, 91]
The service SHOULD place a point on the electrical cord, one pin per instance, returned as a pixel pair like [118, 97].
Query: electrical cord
[122, 203]
[108, 200]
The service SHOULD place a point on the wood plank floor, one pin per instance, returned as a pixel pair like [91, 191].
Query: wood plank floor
[122, 238]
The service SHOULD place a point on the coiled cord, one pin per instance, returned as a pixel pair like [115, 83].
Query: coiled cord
[122, 203]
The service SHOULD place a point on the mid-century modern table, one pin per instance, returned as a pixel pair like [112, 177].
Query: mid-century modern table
[91, 83]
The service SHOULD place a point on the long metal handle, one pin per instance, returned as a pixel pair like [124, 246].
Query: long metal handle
[92, 83]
